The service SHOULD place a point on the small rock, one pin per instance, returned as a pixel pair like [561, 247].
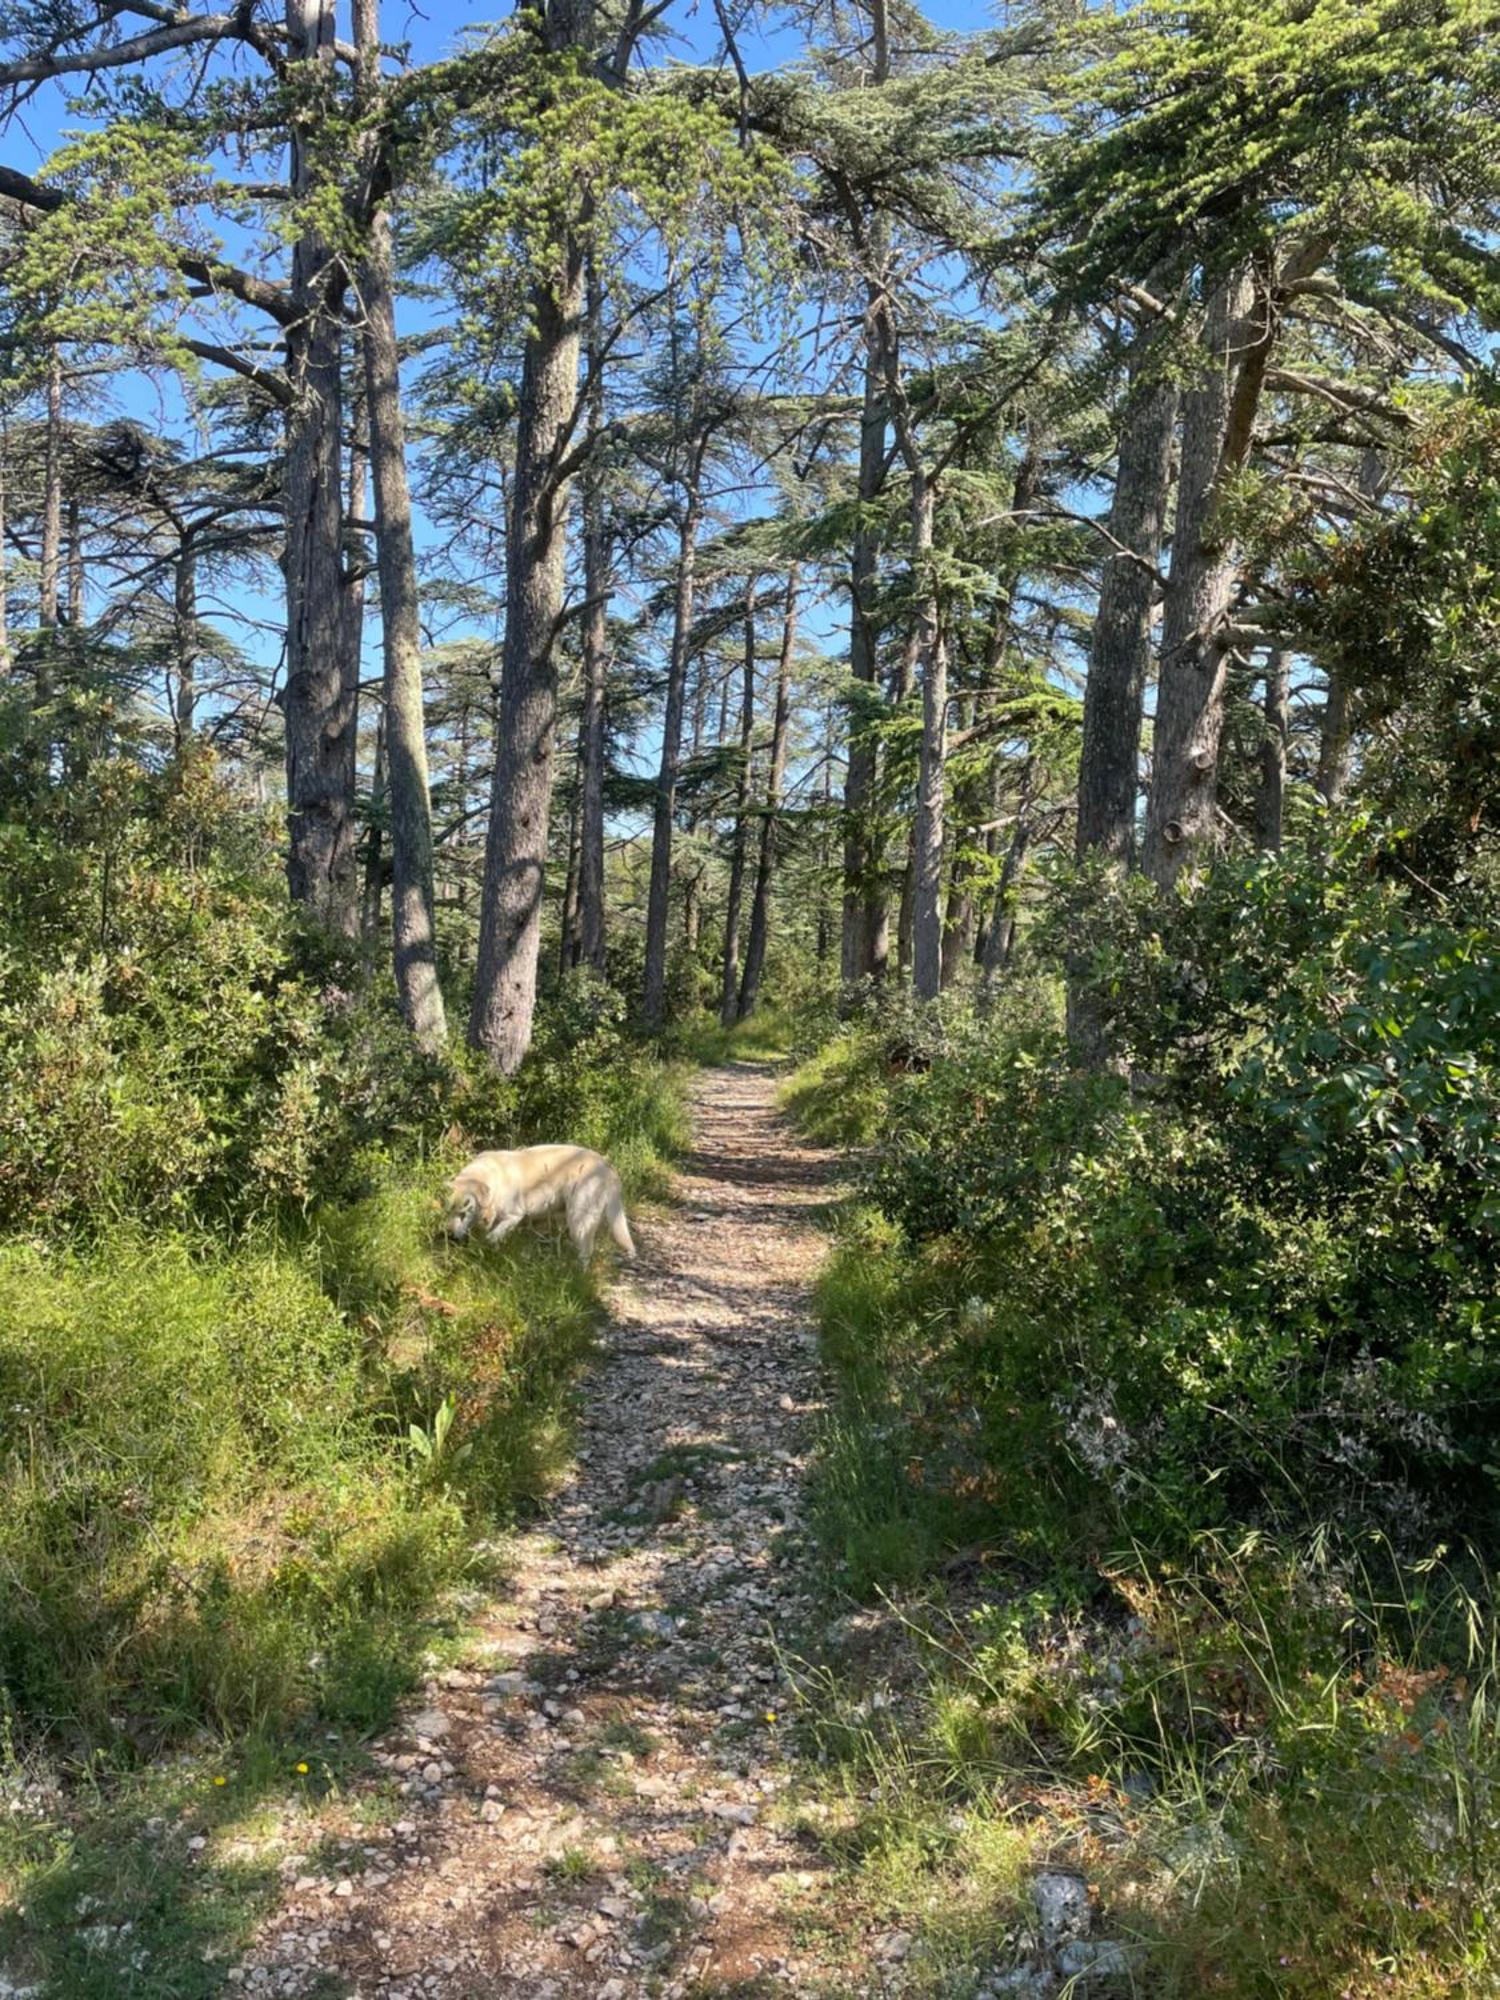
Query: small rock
[343, 1887]
[429, 1722]
[894, 1946]
[1062, 1903]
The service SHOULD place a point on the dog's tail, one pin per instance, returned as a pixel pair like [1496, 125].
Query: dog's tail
[619, 1228]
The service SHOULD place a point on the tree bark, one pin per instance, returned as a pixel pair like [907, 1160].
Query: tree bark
[1218, 411]
[864, 943]
[1000, 938]
[729, 984]
[526, 724]
[1120, 643]
[321, 682]
[932, 667]
[413, 923]
[865, 936]
[49, 578]
[765, 872]
[375, 846]
[521, 793]
[1271, 794]
[7, 661]
[654, 999]
[591, 936]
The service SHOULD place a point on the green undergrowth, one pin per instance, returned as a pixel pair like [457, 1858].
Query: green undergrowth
[767, 1036]
[1176, 1575]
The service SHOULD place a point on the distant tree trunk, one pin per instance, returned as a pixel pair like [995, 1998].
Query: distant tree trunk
[320, 683]
[595, 666]
[1271, 794]
[75, 566]
[526, 723]
[1335, 740]
[864, 944]
[7, 661]
[413, 921]
[1001, 937]
[729, 1004]
[375, 846]
[654, 1000]
[185, 640]
[760, 908]
[50, 571]
[927, 839]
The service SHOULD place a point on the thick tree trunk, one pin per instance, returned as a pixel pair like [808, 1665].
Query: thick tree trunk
[1120, 656]
[1120, 643]
[521, 794]
[1218, 411]
[765, 872]
[729, 984]
[321, 682]
[1271, 793]
[595, 672]
[654, 998]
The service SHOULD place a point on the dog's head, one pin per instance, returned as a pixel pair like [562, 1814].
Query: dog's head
[461, 1210]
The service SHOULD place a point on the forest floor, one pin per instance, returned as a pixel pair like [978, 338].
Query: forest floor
[595, 1799]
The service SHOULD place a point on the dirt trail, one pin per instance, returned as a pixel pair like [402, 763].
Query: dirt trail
[587, 1807]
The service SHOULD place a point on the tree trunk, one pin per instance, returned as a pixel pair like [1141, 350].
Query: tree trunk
[50, 572]
[1120, 643]
[864, 944]
[321, 683]
[1271, 794]
[760, 908]
[185, 641]
[1001, 936]
[865, 938]
[521, 794]
[7, 662]
[567, 954]
[1218, 411]
[75, 567]
[654, 1000]
[595, 671]
[413, 924]
[927, 839]
[729, 982]
[375, 846]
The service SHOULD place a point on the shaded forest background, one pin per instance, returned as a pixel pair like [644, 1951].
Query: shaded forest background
[965, 556]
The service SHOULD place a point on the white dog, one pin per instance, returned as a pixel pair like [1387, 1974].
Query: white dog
[497, 1191]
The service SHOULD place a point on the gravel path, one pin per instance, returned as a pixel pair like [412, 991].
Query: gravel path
[589, 1806]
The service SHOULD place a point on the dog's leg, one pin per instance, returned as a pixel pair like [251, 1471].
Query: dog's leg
[501, 1227]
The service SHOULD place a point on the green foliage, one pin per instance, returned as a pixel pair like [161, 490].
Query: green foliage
[1408, 612]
